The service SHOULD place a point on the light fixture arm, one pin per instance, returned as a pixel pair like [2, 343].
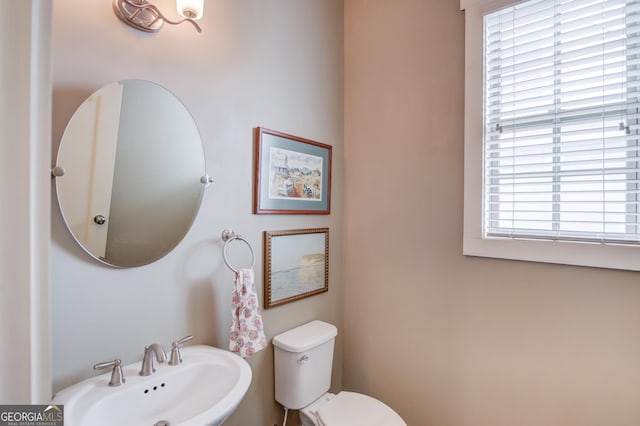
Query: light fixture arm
[144, 16]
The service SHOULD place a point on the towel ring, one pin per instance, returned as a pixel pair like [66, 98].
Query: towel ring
[229, 235]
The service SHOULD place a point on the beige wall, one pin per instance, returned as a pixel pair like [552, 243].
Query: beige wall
[444, 339]
[276, 64]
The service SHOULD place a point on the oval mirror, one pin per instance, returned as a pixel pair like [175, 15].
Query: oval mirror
[133, 162]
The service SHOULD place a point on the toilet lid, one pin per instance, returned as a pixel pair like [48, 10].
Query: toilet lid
[350, 408]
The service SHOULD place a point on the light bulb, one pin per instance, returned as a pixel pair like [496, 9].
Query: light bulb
[192, 9]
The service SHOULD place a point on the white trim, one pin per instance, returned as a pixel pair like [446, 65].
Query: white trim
[569, 253]
[487, 6]
[25, 188]
[40, 205]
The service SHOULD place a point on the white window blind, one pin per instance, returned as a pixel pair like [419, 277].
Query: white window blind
[561, 110]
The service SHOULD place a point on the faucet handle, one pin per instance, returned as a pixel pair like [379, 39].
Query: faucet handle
[176, 358]
[117, 377]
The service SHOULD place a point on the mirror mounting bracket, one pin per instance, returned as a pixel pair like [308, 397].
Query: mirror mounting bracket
[206, 180]
[57, 171]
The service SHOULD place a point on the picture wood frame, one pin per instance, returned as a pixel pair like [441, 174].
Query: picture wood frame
[292, 175]
[296, 265]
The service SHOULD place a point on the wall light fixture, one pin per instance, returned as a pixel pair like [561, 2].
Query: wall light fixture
[144, 16]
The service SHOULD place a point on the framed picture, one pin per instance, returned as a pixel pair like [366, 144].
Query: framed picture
[292, 174]
[296, 265]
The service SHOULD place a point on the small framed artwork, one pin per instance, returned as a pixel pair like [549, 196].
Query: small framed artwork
[292, 174]
[296, 265]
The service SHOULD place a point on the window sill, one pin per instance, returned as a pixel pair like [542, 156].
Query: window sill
[557, 252]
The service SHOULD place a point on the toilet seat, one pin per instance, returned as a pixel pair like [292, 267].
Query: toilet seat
[351, 408]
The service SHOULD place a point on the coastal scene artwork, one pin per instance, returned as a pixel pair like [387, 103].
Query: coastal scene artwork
[292, 174]
[296, 264]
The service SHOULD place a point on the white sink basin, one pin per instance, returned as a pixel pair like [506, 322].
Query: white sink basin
[204, 390]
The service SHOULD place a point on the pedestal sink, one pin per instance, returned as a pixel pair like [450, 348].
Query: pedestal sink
[204, 390]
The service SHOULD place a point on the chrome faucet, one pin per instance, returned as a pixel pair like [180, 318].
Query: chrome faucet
[147, 358]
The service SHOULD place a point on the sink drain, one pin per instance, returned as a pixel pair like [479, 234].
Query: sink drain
[162, 423]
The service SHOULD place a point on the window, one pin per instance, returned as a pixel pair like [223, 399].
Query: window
[561, 112]
[552, 155]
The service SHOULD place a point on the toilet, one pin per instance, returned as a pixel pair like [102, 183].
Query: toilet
[303, 358]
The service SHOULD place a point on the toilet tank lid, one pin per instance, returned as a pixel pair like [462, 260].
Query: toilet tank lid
[306, 336]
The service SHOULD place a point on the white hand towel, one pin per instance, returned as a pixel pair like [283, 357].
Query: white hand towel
[247, 332]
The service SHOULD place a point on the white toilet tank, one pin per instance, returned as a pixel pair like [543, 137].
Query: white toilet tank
[303, 357]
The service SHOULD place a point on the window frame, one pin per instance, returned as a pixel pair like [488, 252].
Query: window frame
[613, 256]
